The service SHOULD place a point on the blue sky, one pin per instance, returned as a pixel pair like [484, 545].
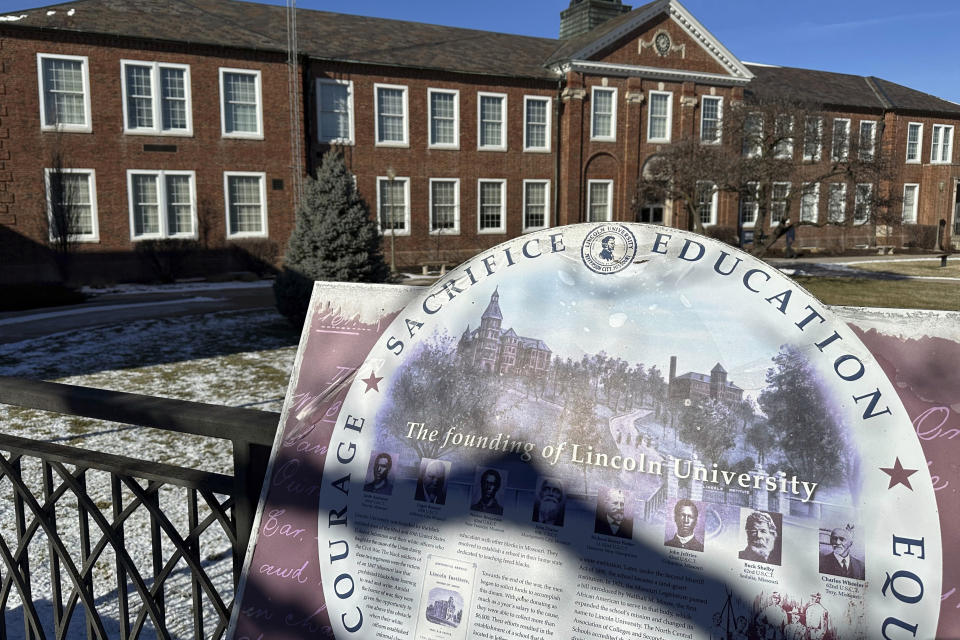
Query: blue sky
[914, 44]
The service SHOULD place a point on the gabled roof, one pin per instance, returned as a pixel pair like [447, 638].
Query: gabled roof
[321, 35]
[832, 89]
[589, 44]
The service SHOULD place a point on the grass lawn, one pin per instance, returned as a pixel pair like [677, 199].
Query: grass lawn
[899, 294]
[914, 267]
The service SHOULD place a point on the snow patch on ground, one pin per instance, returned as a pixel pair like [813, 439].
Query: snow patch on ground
[230, 358]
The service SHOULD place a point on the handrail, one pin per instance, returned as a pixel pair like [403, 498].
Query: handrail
[197, 418]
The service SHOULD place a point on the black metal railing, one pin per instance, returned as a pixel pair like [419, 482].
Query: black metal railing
[98, 545]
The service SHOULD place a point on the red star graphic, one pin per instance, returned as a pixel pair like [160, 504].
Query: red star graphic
[899, 475]
[371, 382]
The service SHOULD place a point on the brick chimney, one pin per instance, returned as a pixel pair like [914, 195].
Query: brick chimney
[583, 15]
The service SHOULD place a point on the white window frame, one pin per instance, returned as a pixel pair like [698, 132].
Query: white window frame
[945, 154]
[817, 154]
[329, 139]
[431, 144]
[547, 131]
[264, 232]
[774, 221]
[753, 149]
[156, 99]
[669, 116]
[910, 216]
[160, 177]
[783, 148]
[845, 148]
[753, 204]
[503, 205]
[248, 135]
[858, 201]
[870, 153]
[546, 205]
[719, 138]
[86, 126]
[611, 135]
[378, 141]
[914, 158]
[502, 145]
[836, 215]
[94, 235]
[714, 201]
[406, 206]
[812, 189]
[455, 230]
[591, 184]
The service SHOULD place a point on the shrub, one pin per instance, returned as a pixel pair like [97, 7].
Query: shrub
[334, 239]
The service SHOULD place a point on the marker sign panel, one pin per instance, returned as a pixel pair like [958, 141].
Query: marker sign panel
[618, 430]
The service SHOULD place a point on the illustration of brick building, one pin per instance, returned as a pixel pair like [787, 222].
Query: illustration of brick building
[493, 349]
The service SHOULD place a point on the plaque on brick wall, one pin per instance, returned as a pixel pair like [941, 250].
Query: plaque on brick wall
[605, 431]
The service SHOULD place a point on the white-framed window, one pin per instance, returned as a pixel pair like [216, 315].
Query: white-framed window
[241, 113]
[603, 114]
[444, 206]
[863, 203]
[868, 140]
[711, 119]
[750, 204]
[941, 143]
[914, 141]
[492, 121]
[660, 116]
[335, 111]
[163, 204]
[810, 202]
[812, 138]
[156, 98]
[753, 135]
[72, 204]
[783, 137]
[391, 107]
[536, 123]
[836, 202]
[779, 202]
[911, 193]
[64, 83]
[393, 205]
[599, 200]
[443, 124]
[536, 204]
[245, 195]
[707, 202]
[491, 206]
[840, 148]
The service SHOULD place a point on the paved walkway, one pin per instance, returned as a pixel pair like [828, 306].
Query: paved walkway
[126, 304]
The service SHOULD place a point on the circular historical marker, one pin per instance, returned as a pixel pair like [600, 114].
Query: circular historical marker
[620, 430]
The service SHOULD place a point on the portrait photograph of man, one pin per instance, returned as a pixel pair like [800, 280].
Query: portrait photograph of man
[378, 474]
[485, 491]
[686, 529]
[612, 517]
[550, 502]
[762, 531]
[838, 559]
[432, 481]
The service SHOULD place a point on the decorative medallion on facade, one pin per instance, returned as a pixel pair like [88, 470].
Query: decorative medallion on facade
[662, 43]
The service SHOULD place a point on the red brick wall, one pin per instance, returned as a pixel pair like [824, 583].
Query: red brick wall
[110, 152]
[420, 163]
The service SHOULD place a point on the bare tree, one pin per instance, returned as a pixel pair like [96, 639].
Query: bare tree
[771, 152]
[67, 212]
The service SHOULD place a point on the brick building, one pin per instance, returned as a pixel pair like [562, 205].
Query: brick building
[492, 348]
[185, 120]
[699, 386]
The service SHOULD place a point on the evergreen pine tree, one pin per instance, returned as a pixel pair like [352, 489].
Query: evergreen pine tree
[334, 239]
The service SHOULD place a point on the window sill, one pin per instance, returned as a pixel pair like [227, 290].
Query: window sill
[67, 128]
[238, 236]
[154, 132]
[445, 232]
[488, 232]
[242, 136]
[395, 145]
